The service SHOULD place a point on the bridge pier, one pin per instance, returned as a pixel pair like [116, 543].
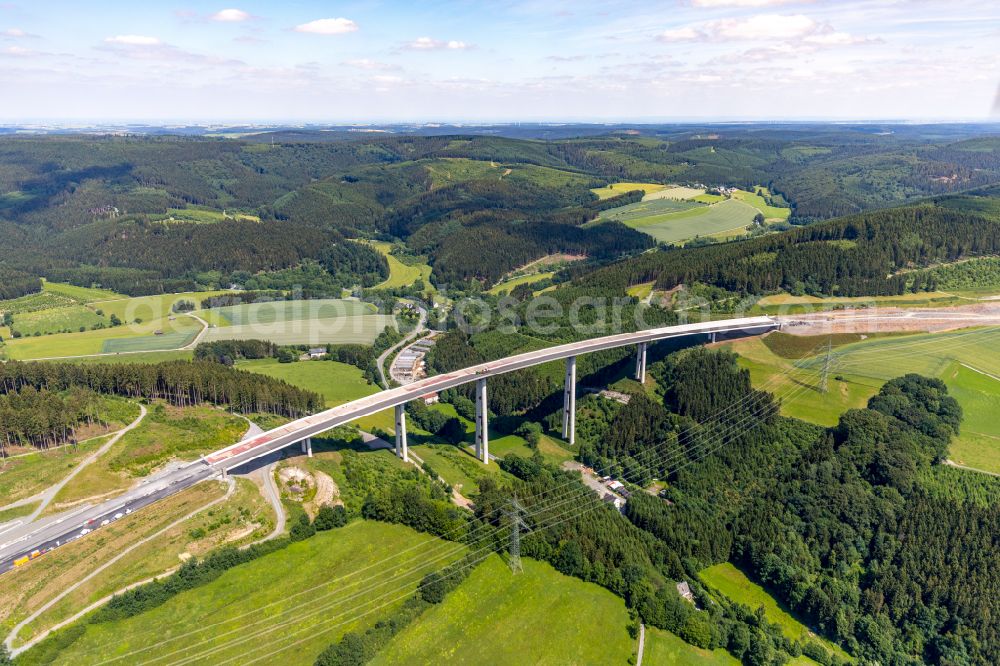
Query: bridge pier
[713, 337]
[640, 363]
[401, 449]
[569, 401]
[307, 446]
[482, 422]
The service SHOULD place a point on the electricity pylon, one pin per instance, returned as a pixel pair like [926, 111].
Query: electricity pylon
[516, 523]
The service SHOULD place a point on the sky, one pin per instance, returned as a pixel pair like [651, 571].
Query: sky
[498, 60]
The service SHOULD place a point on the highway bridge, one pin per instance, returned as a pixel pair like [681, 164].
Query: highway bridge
[39, 538]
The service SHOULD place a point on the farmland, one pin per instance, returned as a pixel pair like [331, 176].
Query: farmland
[615, 189]
[666, 649]
[309, 322]
[232, 606]
[539, 616]
[791, 367]
[336, 382]
[671, 221]
[731, 582]
[142, 337]
[400, 274]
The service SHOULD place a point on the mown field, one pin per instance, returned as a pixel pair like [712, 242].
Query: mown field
[310, 322]
[336, 382]
[672, 221]
[791, 367]
[400, 274]
[539, 617]
[666, 649]
[732, 583]
[327, 587]
[175, 334]
[615, 189]
[507, 285]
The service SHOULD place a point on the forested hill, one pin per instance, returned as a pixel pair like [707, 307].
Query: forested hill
[851, 256]
[90, 208]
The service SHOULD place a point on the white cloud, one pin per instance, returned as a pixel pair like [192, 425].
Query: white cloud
[365, 63]
[761, 27]
[743, 3]
[133, 40]
[680, 34]
[764, 26]
[428, 44]
[17, 51]
[16, 33]
[837, 39]
[230, 16]
[328, 26]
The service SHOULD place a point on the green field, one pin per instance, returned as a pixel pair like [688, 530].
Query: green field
[678, 192]
[537, 617]
[302, 322]
[978, 443]
[336, 382]
[276, 312]
[507, 285]
[66, 319]
[94, 342]
[732, 583]
[758, 202]
[80, 294]
[666, 649]
[671, 221]
[788, 304]
[149, 308]
[248, 609]
[614, 189]
[400, 274]
[204, 215]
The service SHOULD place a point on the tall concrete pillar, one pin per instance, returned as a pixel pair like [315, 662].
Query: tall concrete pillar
[640, 363]
[713, 336]
[309, 447]
[401, 449]
[482, 422]
[569, 401]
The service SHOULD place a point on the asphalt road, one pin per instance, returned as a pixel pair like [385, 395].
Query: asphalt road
[44, 535]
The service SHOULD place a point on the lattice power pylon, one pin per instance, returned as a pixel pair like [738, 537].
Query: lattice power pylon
[516, 523]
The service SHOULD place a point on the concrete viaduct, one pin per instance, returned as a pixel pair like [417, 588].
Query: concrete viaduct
[301, 430]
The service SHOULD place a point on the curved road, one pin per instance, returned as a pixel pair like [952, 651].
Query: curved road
[421, 327]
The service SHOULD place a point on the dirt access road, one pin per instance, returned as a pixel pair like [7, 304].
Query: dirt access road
[892, 320]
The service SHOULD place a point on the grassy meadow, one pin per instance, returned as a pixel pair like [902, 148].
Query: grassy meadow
[328, 587]
[732, 583]
[616, 189]
[400, 274]
[791, 367]
[539, 616]
[666, 649]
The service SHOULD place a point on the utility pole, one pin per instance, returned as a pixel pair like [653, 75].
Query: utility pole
[516, 523]
[824, 381]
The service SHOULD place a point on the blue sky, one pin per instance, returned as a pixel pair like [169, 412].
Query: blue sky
[503, 60]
